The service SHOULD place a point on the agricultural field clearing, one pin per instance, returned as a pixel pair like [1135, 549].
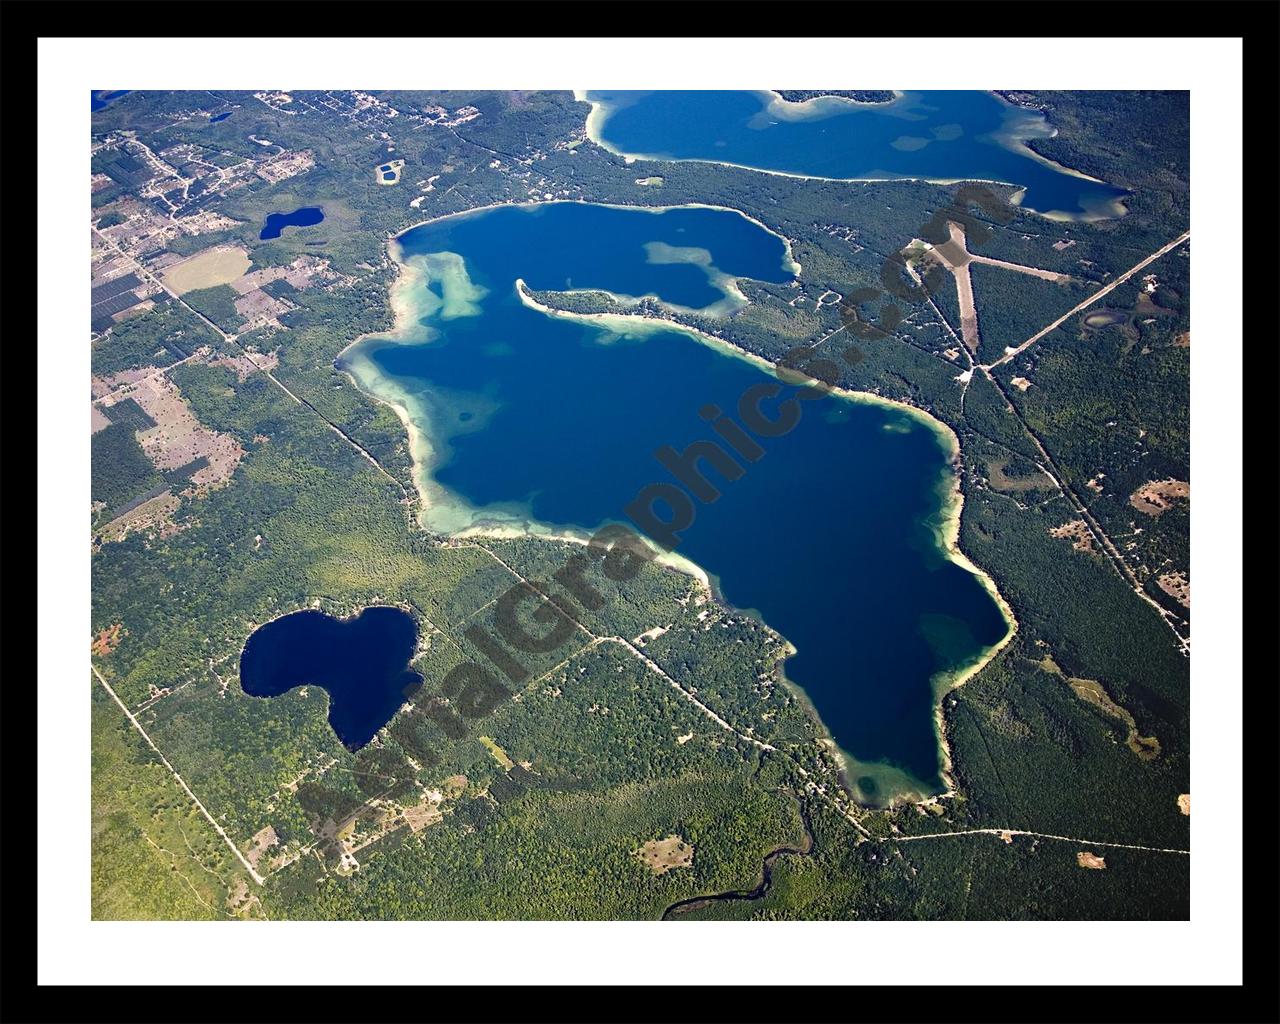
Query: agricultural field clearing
[178, 438]
[208, 269]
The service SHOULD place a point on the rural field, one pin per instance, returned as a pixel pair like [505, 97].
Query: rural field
[207, 269]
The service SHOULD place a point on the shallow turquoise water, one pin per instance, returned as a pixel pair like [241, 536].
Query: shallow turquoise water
[540, 418]
[938, 135]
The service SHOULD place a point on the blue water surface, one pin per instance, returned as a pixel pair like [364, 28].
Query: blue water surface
[362, 663]
[828, 536]
[945, 135]
[100, 98]
[303, 218]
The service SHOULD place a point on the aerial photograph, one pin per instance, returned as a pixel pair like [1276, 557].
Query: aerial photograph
[639, 506]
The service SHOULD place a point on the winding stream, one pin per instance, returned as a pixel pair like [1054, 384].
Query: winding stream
[766, 875]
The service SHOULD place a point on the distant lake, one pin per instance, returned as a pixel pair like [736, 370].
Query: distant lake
[363, 664]
[534, 419]
[220, 117]
[938, 135]
[99, 98]
[303, 218]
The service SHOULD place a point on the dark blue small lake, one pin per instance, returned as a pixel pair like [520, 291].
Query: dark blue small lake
[305, 217]
[362, 663]
[220, 117]
[943, 136]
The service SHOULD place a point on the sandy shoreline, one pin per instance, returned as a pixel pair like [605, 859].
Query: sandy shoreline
[804, 110]
[1018, 143]
[452, 519]
[580, 537]
[946, 529]
[359, 369]
[1010, 136]
[732, 300]
[460, 523]
[636, 325]
[600, 111]
[641, 324]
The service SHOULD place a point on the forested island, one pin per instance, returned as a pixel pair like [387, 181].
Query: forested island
[860, 95]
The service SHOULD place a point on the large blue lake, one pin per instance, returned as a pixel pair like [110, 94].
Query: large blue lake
[937, 135]
[831, 536]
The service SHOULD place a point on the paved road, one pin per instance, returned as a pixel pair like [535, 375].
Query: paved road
[1105, 290]
[1038, 835]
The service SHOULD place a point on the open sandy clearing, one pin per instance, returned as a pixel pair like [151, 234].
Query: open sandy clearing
[178, 439]
[661, 855]
[154, 514]
[1177, 586]
[1158, 496]
[1076, 531]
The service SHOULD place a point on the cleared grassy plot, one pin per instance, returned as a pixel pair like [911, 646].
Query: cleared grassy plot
[661, 855]
[208, 269]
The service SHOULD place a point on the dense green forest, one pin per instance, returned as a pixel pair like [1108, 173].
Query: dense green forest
[154, 856]
[218, 304]
[1012, 307]
[1138, 140]
[120, 469]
